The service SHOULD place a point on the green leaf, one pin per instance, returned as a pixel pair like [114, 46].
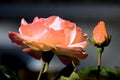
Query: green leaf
[73, 76]
[90, 73]
[63, 78]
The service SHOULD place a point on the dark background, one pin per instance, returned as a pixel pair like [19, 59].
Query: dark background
[59, 1]
[85, 13]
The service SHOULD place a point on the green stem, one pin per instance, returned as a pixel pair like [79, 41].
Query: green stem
[99, 67]
[99, 59]
[42, 70]
[100, 50]
[46, 58]
[74, 65]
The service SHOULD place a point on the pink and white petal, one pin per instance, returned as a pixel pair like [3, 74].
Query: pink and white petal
[56, 24]
[17, 38]
[66, 60]
[81, 44]
[75, 52]
[23, 22]
[33, 53]
[49, 20]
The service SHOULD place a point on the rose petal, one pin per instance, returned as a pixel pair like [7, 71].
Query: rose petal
[16, 38]
[52, 38]
[80, 37]
[33, 53]
[32, 29]
[66, 60]
[22, 40]
[81, 44]
[56, 24]
[36, 19]
[70, 32]
[38, 46]
[23, 22]
[49, 20]
[75, 52]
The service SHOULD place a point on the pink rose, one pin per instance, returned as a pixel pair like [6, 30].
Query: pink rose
[60, 36]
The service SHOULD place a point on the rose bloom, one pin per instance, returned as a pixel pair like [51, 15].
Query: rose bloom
[55, 34]
[100, 35]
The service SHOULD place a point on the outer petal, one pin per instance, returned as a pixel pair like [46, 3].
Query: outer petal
[81, 44]
[17, 38]
[80, 37]
[33, 53]
[75, 52]
[38, 46]
[66, 60]
[22, 40]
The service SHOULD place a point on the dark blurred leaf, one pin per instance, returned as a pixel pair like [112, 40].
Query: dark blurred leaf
[7, 74]
[90, 73]
[118, 71]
